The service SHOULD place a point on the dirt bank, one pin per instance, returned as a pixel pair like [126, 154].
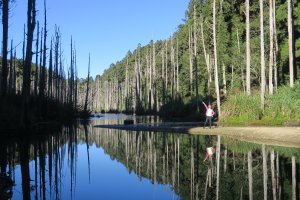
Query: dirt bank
[278, 136]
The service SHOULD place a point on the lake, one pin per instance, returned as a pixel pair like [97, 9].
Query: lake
[85, 162]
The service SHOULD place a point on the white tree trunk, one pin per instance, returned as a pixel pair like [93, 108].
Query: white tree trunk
[265, 171]
[271, 57]
[218, 161]
[262, 56]
[293, 178]
[250, 177]
[248, 55]
[276, 46]
[191, 62]
[216, 61]
[291, 40]
[224, 79]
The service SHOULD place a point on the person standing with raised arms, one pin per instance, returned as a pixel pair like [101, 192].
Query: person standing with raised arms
[209, 114]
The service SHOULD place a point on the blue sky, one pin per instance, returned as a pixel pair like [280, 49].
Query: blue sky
[105, 28]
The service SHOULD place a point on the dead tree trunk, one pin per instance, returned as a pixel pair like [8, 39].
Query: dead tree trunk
[218, 164]
[5, 11]
[248, 56]
[291, 41]
[216, 61]
[224, 79]
[276, 47]
[43, 73]
[272, 157]
[10, 82]
[177, 67]
[206, 56]
[31, 12]
[242, 66]
[294, 178]
[87, 86]
[262, 57]
[191, 62]
[195, 59]
[36, 59]
[50, 72]
[265, 171]
[271, 38]
[250, 177]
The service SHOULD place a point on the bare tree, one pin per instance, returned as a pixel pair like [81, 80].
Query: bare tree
[248, 56]
[5, 11]
[36, 59]
[31, 13]
[265, 171]
[271, 38]
[43, 66]
[294, 178]
[215, 60]
[262, 56]
[291, 41]
[87, 86]
[50, 72]
[250, 177]
[191, 62]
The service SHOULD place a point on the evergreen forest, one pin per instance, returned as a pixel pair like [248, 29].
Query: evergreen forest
[242, 57]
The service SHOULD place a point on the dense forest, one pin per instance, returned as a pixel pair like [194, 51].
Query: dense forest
[240, 56]
[224, 50]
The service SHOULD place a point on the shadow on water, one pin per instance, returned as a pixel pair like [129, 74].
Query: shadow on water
[41, 166]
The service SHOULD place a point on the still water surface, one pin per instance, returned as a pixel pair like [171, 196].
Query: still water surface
[85, 162]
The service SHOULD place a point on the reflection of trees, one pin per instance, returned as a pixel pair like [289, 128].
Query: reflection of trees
[164, 158]
[47, 152]
[177, 160]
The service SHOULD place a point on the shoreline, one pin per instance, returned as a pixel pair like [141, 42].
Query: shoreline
[277, 136]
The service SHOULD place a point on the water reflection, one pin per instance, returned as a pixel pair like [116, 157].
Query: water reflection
[86, 162]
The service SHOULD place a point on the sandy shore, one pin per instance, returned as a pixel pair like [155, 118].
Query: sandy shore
[278, 136]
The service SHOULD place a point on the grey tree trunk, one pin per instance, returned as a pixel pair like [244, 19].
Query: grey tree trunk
[10, 82]
[154, 102]
[43, 67]
[242, 66]
[262, 56]
[218, 151]
[166, 66]
[250, 177]
[265, 171]
[5, 11]
[87, 85]
[206, 56]
[276, 47]
[31, 13]
[272, 157]
[177, 67]
[216, 61]
[36, 60]
[293, 178]
[248, 55]
[291, 41]
[195, 59]
[224, 79]
[191, 62]
[50, 73]
[271, 38]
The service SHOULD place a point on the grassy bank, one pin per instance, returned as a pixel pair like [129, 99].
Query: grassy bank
[281, 108]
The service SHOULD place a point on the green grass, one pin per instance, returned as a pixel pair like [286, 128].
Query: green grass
[280, 108]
